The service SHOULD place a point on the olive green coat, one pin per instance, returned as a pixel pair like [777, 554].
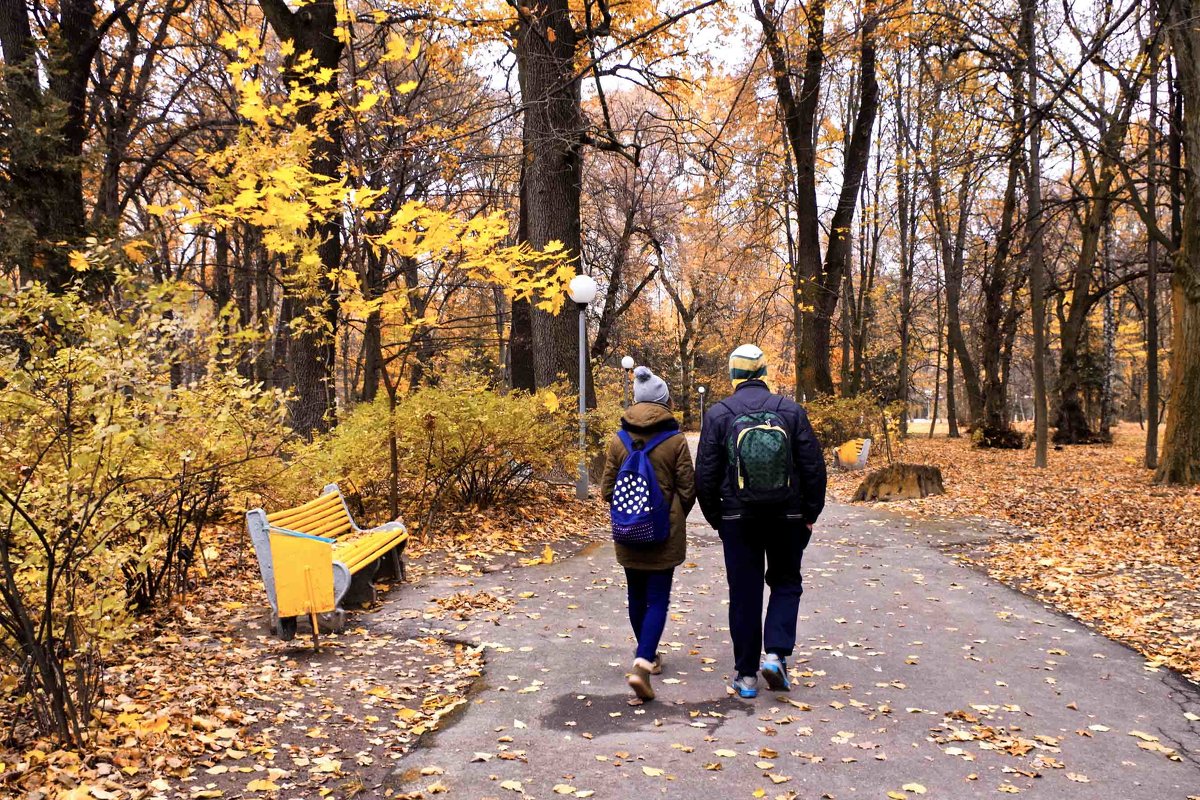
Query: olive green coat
[672, 462]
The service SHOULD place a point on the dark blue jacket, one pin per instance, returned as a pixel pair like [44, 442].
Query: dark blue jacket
[715, 476]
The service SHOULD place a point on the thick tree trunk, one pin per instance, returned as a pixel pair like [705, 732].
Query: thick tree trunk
[372, 355]
[952, 430]
[552, 164]
[1072, 424]
[222, 285]
[995, 429]
[1107, 399]
[1180, 462]
[687, 357]
[520, 348]
[311, 349]
[45, 99]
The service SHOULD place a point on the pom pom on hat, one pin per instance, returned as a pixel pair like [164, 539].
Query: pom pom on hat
[649, 388]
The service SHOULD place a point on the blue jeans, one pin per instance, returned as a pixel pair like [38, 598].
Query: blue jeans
[780, 542]
[649, 597]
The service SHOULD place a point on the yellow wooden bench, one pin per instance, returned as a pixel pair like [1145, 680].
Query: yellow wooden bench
[853, 454]
[311, 556]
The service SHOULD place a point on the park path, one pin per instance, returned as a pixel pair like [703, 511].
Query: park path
[912, 668]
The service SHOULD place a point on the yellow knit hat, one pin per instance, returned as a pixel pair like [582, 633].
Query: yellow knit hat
[747, 363]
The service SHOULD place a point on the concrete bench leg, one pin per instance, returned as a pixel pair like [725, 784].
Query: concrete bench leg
[362, 587]
[284, 628]
[391, 565]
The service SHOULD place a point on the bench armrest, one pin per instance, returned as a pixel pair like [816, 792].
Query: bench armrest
[395, 525]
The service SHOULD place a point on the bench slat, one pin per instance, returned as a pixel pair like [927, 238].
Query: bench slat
[318, 519]
[320, 525]
[325, 500]
[333, 529]
[359, 552]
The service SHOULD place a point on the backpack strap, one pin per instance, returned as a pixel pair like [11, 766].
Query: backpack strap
[658, 439]
[650, 444]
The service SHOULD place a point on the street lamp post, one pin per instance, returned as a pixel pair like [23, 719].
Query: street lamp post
[701, 390]
[627, 363]
[582, 290]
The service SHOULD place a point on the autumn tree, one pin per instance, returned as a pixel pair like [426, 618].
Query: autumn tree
[817, 282]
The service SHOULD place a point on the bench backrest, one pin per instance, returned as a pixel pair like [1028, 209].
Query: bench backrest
[325, 516]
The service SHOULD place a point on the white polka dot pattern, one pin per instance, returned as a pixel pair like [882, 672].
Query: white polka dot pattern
[631, 494]
[640, 514]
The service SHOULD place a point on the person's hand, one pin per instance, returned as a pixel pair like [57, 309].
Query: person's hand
[809, 526]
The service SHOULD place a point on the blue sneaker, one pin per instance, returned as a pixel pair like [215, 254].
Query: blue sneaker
[774, 671]
[746, 686]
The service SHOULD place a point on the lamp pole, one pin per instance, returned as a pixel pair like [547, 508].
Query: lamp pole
[627, 363]
[582, 290]
[701, 390]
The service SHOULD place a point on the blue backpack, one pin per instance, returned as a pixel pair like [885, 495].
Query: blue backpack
[640, 513]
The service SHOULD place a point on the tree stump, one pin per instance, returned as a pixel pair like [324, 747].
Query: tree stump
[900, 482]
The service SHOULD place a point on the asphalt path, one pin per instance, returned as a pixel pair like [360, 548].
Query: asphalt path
[915, 674]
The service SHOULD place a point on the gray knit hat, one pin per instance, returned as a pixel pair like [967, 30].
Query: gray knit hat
[649, 388]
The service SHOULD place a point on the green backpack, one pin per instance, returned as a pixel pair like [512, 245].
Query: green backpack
[760, 453]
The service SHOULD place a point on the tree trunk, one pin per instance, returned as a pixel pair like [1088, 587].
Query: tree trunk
[1107, 403]
[552, 162]
[311, 353]
[995, 429]
[45, 98]
[907, 222]
[259, 262]
[1180, 462]
[372, 344]
[951, 400]
[222, 286]
[1034, 225]
[520, 347]
[937, 369]
[953, 248]
[1151, 458]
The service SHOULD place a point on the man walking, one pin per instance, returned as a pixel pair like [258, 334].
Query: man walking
[760, 479]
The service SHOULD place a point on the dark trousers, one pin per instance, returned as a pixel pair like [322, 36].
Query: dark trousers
[649, 598]
[748, 542]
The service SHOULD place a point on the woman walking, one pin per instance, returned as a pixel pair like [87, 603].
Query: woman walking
[650, 567]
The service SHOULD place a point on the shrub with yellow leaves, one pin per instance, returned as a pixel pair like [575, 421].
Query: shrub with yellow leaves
[111, 464]
[459, 444]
